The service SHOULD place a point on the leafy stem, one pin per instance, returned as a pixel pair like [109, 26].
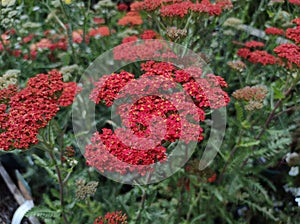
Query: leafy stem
[61, 186]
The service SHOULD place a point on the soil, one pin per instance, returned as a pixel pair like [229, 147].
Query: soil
[8, 205]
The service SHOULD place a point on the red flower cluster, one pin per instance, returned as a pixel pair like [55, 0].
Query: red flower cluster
[122, 7]
[100, 31]
[254, 44]
[31, 109]
[130, 39]
[274, 31]
[296, 21]
[163, 107]
[70, 89]
[108, 142]
[290, 52]
[98, 20]
[131, 18]
[108, 87]
[148, 34]
[6, 94]
[112, 218]
[133, 51]
[181, 8]
[293, 34]
[257, 56]
[295, 2]
[176, 9]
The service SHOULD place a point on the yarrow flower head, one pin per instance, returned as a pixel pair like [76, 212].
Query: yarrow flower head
[289, 52]
[181, 8]
[274, 31]
[135, 142]
[112, 218]
[237, 65]
[131, 18]
[254, 44]
[293, 34]
[257, 56]
[85, 190]
[26, 111]
[253, 95]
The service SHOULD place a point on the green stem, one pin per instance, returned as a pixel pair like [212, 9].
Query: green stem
[69, 32]
[61, 187]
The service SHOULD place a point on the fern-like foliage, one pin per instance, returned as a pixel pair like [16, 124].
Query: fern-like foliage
[43, 212]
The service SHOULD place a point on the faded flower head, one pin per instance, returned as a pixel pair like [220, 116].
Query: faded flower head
[232, 22]
[253, 95]
[68, 71]
[31, 25]
[174, 33]
[9, 78]
[7, 3]
[237, 65]
[85, 190]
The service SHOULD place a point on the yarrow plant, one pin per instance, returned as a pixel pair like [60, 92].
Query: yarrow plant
[161, 118]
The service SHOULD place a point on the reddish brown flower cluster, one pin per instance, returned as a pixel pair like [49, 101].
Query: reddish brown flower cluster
[254, 96]
[68, 153]
[162, 107]
[237, 65]
[274, 31]
[257, 93]
[180, 8]
[23, 113]
[112, 218]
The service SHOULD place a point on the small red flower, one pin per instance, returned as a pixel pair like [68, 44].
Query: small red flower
[100, 31]
[254, 44]
[212, 178]
[122, 7]
[116, 217]
[274, 31]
